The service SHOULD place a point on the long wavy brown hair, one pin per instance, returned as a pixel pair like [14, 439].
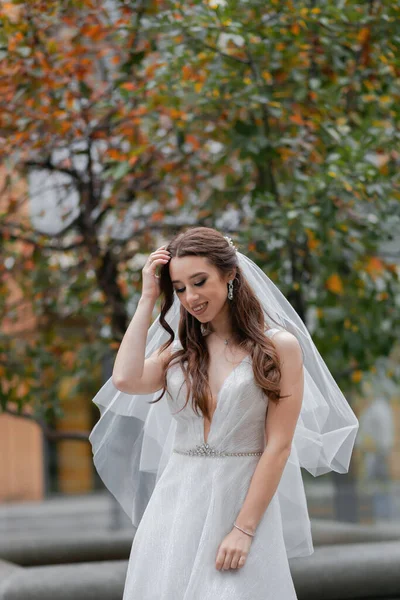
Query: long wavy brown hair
[247, 319]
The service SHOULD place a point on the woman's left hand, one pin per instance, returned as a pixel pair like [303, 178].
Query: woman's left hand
[233, 550]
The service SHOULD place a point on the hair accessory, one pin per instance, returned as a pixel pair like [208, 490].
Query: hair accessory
[230, 242]
[133, 440]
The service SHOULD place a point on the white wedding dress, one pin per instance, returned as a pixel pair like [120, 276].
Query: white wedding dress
[198, 497]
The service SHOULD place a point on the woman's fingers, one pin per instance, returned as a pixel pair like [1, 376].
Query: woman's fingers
[159, 256]
[151, 285]
[227, 561]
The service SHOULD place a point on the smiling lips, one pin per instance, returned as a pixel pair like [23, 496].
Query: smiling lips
[200, 307]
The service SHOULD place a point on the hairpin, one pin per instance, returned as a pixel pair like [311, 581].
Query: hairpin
[230, 242]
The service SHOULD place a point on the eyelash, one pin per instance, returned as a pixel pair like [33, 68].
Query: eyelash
[198, 284]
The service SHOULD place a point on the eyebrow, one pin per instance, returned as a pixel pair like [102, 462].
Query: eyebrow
[191, 277]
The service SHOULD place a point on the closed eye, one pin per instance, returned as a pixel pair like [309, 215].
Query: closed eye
[200, 283]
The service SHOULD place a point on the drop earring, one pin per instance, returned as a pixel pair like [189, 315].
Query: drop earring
[230, 289]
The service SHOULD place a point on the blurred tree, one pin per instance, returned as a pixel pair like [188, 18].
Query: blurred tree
[274, 120]
[294, 109]
[83, 188]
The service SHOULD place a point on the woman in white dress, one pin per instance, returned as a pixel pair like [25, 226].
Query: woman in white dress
[227, 508]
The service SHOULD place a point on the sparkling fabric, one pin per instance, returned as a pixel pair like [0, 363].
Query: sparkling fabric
[208, 451]
[198, 497]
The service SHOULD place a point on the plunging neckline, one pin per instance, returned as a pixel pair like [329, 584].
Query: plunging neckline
[217, 400]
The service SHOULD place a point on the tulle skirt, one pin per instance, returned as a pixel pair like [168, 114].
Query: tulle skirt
[191, 510]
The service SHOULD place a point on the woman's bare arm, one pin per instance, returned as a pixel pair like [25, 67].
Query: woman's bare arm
[280, 426]
[132, 373]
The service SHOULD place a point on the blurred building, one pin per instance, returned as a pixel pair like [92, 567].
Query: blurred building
[22, 472]
[32, 465]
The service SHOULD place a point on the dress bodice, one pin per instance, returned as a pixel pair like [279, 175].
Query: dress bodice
[238, 421]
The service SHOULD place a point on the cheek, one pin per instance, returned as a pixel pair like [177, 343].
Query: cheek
[219, 297]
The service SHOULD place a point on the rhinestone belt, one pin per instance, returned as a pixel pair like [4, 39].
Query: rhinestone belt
[206, 450]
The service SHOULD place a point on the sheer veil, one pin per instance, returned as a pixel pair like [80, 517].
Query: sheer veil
[133, 440]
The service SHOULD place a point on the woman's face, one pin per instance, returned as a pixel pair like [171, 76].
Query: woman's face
[198, 283]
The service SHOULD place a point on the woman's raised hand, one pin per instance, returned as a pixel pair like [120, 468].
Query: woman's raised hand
[151, 284]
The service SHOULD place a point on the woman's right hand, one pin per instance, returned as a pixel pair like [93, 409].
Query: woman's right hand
[151, 284]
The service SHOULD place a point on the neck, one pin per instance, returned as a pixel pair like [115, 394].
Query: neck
[221, 324]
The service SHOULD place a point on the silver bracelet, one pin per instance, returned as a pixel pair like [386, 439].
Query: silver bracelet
[248, 532]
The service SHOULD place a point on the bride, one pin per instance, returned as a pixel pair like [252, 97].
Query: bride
[230, 388]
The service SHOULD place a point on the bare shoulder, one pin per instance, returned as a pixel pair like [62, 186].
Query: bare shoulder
[288, 346]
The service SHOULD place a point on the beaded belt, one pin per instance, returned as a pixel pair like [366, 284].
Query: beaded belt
[206, 450]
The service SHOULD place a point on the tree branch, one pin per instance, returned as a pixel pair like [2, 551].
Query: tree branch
[39, 245]
[47, 165]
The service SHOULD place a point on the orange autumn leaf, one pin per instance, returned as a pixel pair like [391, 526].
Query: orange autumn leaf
[297, 118]
[123, 286]
[363, 35]
[187, 72]
[356, 376]
[129, 85]
[295, 29]
[95, 32]
[133, 160]
[203, 213]
[114, 154]
[382, 296]
[157, 216]
[191, 139]
[312, 242]
[22, 389]
[384, 170]
[334, 284]
[285, 153]
[175, 114]
[65, 126]
[151, 69]
[68, 359]
[168, 167]
[374, 267]
[267, 76]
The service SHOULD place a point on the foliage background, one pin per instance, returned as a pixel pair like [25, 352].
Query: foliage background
[276, 122]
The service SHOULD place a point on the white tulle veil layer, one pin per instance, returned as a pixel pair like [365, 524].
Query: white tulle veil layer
[133, 440]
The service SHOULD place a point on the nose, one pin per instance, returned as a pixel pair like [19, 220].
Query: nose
[192, 298]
